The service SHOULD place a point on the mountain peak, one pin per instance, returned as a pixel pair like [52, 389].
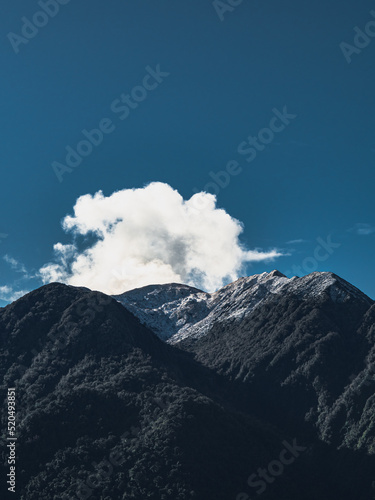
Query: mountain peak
[316, 283]
[275, 272]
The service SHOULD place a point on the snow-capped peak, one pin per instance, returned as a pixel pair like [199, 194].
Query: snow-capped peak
[175, 311]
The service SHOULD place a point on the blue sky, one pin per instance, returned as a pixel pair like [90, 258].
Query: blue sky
[228, 70]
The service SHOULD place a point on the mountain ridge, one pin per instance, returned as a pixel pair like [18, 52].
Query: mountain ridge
[174, 315]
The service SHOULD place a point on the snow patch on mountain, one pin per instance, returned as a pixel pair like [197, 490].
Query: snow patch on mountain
[175, 311]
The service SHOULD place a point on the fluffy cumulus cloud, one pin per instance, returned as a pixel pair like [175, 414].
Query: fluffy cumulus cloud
[137, 237]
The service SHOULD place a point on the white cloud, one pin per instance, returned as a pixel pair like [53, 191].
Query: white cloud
[296, 242]
[5, 290]
[15, 264]
[7, 294]
[363, 229]
[151, 235]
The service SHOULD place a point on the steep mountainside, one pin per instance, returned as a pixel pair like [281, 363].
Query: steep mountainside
[308, 350]
[305, 346]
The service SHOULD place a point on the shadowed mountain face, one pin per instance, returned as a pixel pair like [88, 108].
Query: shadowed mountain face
[267, 392]
[312, 361]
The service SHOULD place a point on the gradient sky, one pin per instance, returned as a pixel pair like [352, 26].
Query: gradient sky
[314, 180]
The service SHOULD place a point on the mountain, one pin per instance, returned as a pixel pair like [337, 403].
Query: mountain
[106, 410]
[176, 312]
[168, 310]
[310, 340]
[307, 339]
[263, 388]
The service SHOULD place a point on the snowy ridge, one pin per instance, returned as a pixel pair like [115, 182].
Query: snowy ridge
[166, 309]
[175, 311]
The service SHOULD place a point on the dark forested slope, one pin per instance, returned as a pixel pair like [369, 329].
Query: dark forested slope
[106, 410]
